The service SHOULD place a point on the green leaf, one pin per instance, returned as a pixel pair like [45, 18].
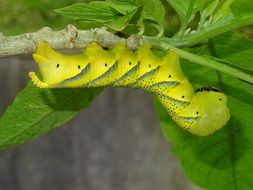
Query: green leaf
[209, 9]
[122, 22]
[112, 14]
[222, 160]
[122, 6]
[116, 14]
[99, 11]
[234, 48]
[215, 14]
[231, 48]
[242, 9]
[36, 111]
[186, 9]
[153, 10]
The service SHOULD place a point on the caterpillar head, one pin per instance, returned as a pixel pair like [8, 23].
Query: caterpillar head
[216, 112]
[209, 108]
[54, 66]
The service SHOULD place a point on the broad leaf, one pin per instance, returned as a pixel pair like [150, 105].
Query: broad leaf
[235, 48]
[99, 11]
[242, 9]
[36, 111]
[122, 22]
[112, 14]
[153, 10]
[122, 6]
[116, 14]
[186, 9]
[222, 160]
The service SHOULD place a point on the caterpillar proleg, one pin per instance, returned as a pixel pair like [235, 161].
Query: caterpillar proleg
[200, 112]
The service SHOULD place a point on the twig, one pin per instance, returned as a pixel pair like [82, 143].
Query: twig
[70, 37]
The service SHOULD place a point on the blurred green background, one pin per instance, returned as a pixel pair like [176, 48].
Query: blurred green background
[19, 16]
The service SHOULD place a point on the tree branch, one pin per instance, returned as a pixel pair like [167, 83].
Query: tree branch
[70, 37]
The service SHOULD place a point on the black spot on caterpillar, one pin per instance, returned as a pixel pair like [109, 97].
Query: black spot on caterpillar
[201, 112]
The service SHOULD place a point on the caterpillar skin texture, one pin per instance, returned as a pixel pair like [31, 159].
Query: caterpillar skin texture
[201, 112]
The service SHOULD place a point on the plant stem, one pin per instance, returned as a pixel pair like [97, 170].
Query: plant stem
[70, 37]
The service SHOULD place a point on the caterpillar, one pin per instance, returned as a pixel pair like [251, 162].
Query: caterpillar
[200, 112]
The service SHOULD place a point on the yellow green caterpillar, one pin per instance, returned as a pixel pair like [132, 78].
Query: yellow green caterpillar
[201, 112]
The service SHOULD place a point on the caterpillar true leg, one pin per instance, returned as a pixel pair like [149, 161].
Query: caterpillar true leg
[201, 112]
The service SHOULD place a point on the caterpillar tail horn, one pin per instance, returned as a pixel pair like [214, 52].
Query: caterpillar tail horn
[36, 81]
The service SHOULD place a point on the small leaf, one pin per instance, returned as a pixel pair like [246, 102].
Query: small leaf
[116, 14]
[120, 23]
[112, 14]
[99, 11]
[36, 111]
[223, 11]
[153, 10]
[186, 9]
[122, 6]
[210, 8]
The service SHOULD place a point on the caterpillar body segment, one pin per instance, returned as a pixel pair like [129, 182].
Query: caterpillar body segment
[53, 65]
[201, 112]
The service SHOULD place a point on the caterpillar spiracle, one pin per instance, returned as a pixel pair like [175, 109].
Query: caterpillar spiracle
[201, 112]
